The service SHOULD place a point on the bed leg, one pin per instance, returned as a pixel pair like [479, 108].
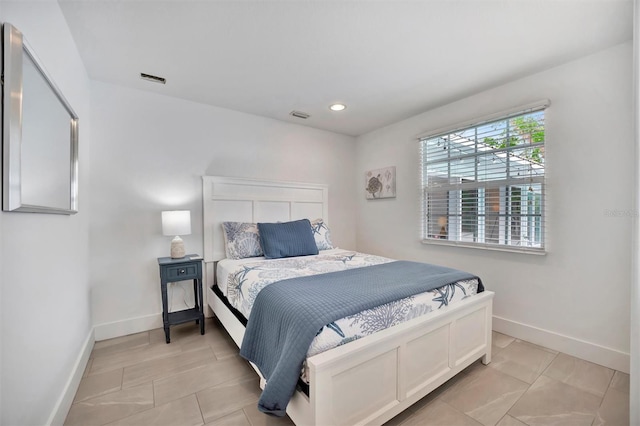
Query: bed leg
[486, 358]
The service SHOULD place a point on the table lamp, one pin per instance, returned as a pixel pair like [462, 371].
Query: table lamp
[176, 222]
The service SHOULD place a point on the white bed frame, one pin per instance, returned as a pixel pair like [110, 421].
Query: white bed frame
[372, 379]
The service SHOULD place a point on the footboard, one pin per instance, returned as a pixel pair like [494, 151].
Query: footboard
[373, 379]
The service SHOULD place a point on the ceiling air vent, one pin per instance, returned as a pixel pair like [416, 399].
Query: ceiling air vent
[300, 114]
[153, 78]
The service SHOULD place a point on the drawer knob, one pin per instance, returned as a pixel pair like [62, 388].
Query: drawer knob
[182, 271]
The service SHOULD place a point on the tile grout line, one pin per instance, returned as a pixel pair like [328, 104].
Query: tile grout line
[463, 413]
[153, 388]
[603, 396]
[199, 406]
[577, 387]
[529, 385]
[549, 366]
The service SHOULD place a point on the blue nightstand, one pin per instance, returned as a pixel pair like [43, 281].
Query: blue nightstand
[182, 269]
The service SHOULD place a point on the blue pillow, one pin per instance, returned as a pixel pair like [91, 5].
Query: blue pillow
[287, 239]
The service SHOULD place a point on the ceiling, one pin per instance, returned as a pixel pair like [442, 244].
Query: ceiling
[386, 60]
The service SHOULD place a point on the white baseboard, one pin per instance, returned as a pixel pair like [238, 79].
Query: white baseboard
[61, 409]
[588, 351]
[129, 326]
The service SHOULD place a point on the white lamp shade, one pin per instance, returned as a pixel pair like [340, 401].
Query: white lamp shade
[176, 222]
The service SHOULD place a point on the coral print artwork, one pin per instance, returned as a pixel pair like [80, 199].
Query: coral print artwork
[381, 183]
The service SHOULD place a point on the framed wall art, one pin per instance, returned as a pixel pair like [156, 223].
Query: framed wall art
[380, 183]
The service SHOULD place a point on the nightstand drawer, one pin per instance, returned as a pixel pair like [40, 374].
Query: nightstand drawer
[182, 272]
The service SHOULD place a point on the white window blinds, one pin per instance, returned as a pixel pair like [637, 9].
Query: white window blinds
[483, 185]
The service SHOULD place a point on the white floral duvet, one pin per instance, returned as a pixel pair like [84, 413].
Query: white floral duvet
[241, 280]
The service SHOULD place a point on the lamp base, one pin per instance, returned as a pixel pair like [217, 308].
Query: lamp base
[177, 248]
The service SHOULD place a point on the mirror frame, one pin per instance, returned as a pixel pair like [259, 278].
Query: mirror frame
[14, 47]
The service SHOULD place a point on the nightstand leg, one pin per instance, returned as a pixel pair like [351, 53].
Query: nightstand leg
[201, 306]
[195, 296]
[165, 311]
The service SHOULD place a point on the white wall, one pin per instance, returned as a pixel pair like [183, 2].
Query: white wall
[149, 153]
[576, 298]
[45, 305]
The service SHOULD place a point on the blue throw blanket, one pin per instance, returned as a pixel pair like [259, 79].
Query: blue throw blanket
[287, 315]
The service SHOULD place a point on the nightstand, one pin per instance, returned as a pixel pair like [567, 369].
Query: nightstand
[182, 269]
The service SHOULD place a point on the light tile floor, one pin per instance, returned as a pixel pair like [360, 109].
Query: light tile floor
[195, 380]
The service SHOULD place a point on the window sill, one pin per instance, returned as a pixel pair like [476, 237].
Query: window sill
[441, 242]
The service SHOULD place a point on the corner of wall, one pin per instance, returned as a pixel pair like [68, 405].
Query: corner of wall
[61, 409]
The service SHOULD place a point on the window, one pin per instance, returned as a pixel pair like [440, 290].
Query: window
[483, 185]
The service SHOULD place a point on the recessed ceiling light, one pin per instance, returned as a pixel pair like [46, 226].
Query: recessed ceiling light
[338, 107]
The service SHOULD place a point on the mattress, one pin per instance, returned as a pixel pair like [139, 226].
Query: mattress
[241, 280]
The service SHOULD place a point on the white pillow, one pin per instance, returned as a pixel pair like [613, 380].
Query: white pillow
[241, 240]
[321, 234]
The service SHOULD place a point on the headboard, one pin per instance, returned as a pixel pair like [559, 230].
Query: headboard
[248, 200]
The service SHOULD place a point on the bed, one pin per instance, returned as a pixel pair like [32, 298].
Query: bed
[373, 378]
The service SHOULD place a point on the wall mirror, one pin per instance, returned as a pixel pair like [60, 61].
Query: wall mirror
[39, 135]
